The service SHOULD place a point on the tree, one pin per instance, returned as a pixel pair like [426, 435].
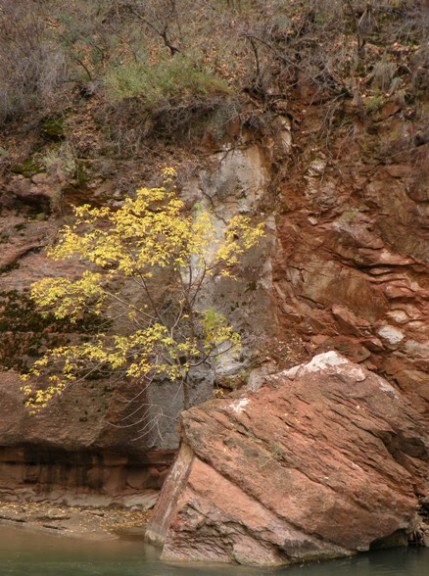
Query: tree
[158, 328]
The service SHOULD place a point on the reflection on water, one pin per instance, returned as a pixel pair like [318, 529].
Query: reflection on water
[25, 553]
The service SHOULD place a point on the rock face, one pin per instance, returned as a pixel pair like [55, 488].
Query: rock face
[351, 270]
[73, 446]
[326, 459]
[236, 183]
[344, 265]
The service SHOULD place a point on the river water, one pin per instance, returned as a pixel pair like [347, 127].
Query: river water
[27, 553]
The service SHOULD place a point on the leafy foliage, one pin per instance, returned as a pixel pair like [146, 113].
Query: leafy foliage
[160, 84]
[145, 266]
[23, 330]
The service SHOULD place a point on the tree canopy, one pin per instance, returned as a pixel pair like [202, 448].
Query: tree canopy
[142, 267]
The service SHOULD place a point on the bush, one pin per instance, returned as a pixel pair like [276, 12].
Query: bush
[168, 82]
[172, 98]
[32, 65]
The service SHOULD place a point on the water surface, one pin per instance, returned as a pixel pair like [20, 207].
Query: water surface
[28, 553]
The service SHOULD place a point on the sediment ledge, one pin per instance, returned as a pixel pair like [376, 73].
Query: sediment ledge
[87, 518]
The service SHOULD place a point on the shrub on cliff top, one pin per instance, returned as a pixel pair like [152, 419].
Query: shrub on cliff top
[170, 81]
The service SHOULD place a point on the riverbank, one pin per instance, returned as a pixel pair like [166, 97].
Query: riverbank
[89, 522]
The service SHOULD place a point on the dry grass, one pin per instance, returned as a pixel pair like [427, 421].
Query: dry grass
[166, 66]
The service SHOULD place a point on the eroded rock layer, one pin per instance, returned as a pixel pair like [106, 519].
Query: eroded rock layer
[325, 460]
[85, 444]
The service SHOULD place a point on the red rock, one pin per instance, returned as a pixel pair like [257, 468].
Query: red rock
[58, 450]
[324, 460]
[349, 322]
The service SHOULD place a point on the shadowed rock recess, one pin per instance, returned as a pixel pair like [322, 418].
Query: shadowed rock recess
[325, 460]
[72, 453]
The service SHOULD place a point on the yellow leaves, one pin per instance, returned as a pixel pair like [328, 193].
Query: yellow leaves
[38, 398]
[152, 231]
[217, 331]
[239, 237]
[169, 174]
[67, 298]
[149, 233]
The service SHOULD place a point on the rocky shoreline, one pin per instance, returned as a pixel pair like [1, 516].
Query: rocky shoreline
[88, 522]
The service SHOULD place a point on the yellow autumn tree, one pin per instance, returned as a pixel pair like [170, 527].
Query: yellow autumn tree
[143, 266]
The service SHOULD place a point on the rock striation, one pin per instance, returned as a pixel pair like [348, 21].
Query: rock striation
[325, 460]
[351, 265]
[75, 448]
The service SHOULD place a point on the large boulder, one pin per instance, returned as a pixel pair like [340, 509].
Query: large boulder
[325, 460]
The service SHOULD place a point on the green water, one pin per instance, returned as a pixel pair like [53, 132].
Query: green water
[25, 553]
